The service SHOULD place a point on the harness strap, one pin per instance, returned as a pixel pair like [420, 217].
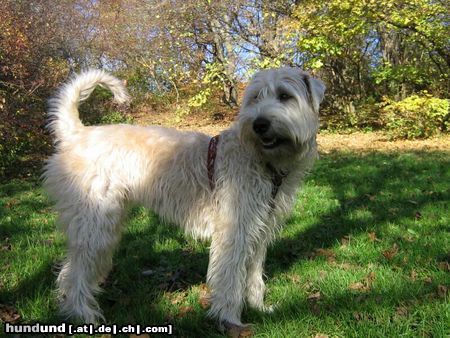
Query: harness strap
[277, 179]
[212, 153]
[276, 176]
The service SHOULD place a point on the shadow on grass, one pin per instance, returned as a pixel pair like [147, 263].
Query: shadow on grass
[389, 187]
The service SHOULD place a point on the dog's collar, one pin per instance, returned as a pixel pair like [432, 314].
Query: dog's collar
[276, 176]
[212, 153]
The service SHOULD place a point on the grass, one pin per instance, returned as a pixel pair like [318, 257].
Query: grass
[365, 254]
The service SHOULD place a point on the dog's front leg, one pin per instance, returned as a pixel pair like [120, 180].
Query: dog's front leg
[227, 274]
[255, 287]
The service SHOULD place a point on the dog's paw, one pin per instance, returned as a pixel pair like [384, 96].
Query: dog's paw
[268, 308]
[235, 330]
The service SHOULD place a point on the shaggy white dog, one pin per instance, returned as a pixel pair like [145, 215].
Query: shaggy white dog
[235, 188]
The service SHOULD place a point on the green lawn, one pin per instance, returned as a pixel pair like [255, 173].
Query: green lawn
[365, 254]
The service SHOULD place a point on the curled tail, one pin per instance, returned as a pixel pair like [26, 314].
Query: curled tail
[63, 108]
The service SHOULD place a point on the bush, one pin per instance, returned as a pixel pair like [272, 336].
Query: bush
[101, 109]
[416, 116]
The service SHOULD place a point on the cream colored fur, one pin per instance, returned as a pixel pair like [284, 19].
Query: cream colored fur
[97, 171]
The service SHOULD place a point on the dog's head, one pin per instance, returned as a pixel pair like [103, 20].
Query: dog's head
[279, 113]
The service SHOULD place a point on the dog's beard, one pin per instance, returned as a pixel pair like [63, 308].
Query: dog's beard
[286, 136]
[277, 144]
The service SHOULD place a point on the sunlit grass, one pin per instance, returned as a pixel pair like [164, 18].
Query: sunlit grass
[365, 253]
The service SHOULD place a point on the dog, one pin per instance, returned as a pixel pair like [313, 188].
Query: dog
[234, 189]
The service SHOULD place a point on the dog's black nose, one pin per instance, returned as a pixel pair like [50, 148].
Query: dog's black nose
[261, 125]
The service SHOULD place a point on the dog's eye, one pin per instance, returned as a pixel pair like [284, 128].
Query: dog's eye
[284, 97]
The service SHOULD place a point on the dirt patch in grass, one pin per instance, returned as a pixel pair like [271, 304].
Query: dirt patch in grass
[358, 141]
[363, 142]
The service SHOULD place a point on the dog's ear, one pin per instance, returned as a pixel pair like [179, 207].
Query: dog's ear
[316, 90]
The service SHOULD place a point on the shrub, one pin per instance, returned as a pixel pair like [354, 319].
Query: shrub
[416, 116]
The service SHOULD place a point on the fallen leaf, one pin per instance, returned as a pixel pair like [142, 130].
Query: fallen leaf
[322, 274]
[369, 279]
[444, 266]
[237, 331]
[427, 280]
[345, 266]
[204, 302]
[327, 253]
[391, 253]
[324, 252]
[315, 296]
[178, 297]
[358, 316]
[413, 275]
[371, 197]
[321, 335]
[9, 313]
[357, 286]
[417, 215]
[373, 237]
[345, 241]
[401, 311]
[11, 203]
[184, 310]
[294, 278]
[442, 291]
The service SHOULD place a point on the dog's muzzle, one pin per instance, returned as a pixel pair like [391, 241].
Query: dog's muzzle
[268, 138]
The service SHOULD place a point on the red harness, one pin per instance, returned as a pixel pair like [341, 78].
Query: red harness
[277, 177]
[212, 153]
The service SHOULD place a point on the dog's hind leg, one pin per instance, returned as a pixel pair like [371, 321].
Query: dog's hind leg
[92, 234]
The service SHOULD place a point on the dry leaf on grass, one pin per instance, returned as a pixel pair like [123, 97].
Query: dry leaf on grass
[294, 278]
[401, 311]
[373, 237]
[327, 253]
[357, 286]
[345, 241]
[184, 310]
[427, 280]
[313, 304]
[204, 296]
[177, 297]
[358, 316]
[442, 291]
[9, 313]
[315, 296]
[363, 285]
[370, 278]
[345, 266]
[321, 335]
[371, 197]
[204, 303]
[237, 331]
[444, 266]
[391, 253]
